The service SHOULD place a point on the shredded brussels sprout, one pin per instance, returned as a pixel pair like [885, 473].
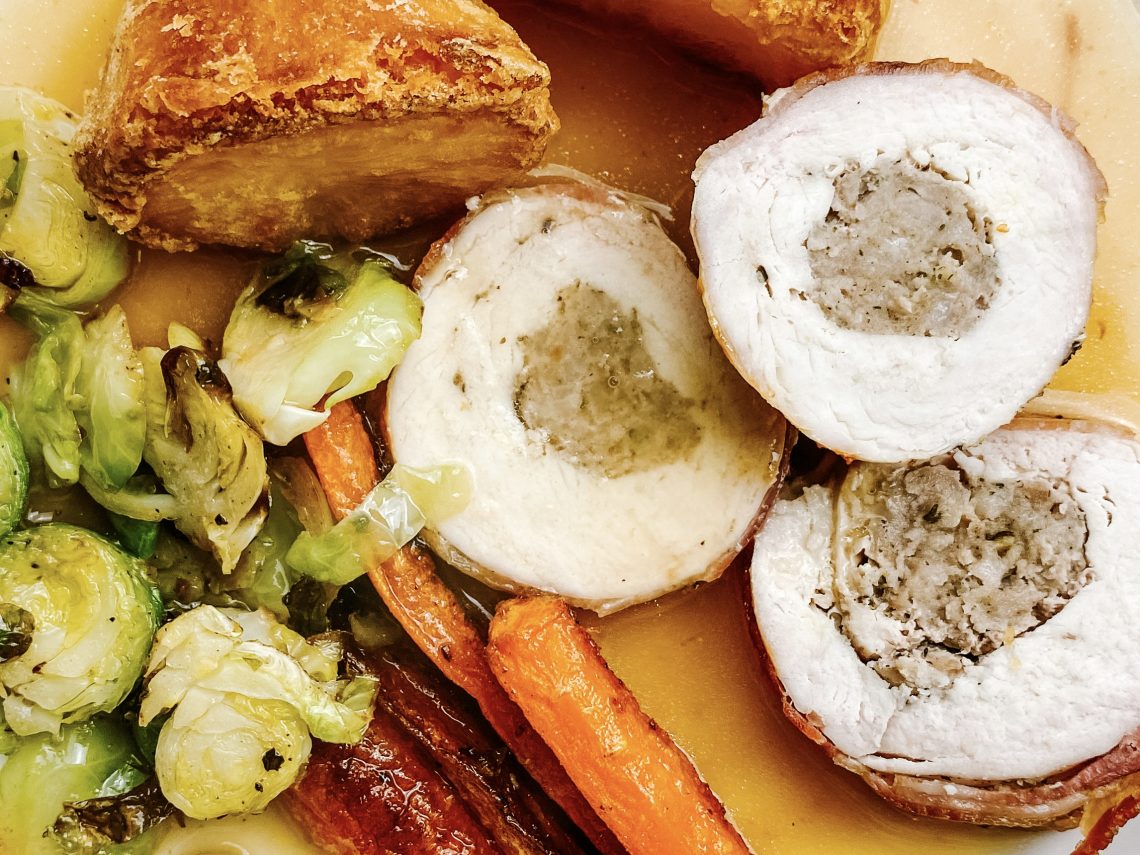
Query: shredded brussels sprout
[262, 578]
[92, 759]
[93, 616]
[13, 473]
[246, 693]
[112, 418]
[209, 460]
[46, 219]
[78, 395]
[312, 329]
[390, 516]
[138, 537]
[44, 391]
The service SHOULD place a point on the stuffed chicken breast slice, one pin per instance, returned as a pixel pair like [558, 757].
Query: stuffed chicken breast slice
[565, 358]
[964, 619]
[912, 243]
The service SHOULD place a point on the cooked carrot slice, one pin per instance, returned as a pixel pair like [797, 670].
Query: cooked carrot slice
[630, 770]
[345, 462]
[343, 458]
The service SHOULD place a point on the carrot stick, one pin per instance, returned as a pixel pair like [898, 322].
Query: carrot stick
[343, 457]
[345, 462]
[629, 769]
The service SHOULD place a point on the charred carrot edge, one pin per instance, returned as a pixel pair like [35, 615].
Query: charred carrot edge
[1108, 824]
[630, 770]
[355, 798]
[345, 463]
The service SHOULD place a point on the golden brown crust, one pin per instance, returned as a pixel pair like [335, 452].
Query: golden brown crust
[775, 41]
[447, 96]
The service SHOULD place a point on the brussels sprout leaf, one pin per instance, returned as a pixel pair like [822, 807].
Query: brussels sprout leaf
[138, 537]
[91, 825]
[299, 279]
[16, 628]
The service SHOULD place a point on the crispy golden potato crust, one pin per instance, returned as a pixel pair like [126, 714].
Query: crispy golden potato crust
[775, 41]
[255, 122]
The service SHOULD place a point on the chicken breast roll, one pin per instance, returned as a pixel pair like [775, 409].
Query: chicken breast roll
[899, 256]
[565, 359]
[961, 631]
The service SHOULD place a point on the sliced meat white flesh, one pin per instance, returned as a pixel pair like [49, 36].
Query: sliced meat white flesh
[971, 617]
[566, 359]
[898, 256]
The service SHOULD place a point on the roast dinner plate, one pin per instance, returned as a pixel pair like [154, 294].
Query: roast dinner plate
[636, 113]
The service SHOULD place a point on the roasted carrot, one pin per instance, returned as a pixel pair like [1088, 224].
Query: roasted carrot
[343, 457]
[629, 769]
[345, 462]
[385, 794]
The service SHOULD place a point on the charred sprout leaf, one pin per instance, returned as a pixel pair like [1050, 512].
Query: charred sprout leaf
[113, 418]
[93, 759]
[329, 329]
[209, 460]
[308, 602]
[300, 487]
[94, 615]
[245, 694]
[13, 277]
[390, 516]
[46, 222]
[302, 277]
[91, 826]
[13, 473]
[16, 627]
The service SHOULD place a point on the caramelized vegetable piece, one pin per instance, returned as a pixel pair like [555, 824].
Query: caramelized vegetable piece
[427, 731]
[383, 795]
[345, 462]
[490, 780]
[629, 769]
[343, 457]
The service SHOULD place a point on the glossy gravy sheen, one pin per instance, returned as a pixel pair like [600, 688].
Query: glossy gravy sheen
[636, 114]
